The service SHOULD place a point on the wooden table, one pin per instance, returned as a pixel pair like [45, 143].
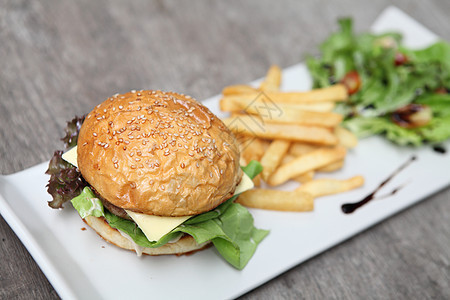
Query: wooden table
[60, 58]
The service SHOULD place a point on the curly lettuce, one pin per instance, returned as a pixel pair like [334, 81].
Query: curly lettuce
[65, 181]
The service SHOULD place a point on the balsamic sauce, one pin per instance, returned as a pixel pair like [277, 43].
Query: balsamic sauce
[351, 207]
[439, 149]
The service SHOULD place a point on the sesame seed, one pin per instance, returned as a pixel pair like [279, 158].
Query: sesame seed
[94, 134]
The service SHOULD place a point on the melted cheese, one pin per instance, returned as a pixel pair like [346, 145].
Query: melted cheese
[155, 227]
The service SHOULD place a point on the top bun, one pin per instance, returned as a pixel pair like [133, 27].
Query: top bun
[158, 153]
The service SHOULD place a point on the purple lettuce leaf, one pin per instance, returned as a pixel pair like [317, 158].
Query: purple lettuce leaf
[65, 181]
[72, 130]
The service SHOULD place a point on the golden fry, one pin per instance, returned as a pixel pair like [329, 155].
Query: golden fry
[257, 180]
[334, 93]
[298, 149]
[272, 81]
[254, 126]
[322, 187]
[273, 156]
[241, 103]
[334, 166]
[298, 116]
[337, 92]
[305, 177]
[238, 89]
[310, 161]
[253, 149]
[277, 200]
[346, 137]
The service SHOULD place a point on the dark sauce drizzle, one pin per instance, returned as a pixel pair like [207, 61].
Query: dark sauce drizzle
[439, 149]
[351, 207]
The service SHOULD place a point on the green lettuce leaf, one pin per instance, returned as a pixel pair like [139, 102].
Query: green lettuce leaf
[364, 127]
[87, 204]
[229, 226]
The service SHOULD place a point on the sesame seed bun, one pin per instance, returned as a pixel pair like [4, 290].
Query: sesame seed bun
[158, 153]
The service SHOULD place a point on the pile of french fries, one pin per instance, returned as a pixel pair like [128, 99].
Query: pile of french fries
[294, 135]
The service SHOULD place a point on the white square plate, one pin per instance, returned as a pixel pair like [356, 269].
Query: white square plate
[81, 265]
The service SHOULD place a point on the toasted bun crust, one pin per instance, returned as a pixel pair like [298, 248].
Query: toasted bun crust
[158, 153]
[185, 245]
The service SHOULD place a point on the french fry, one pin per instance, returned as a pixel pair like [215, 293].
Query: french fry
[254, 126]
[277, 200]
[273, 156]
[334, 93]
[334, 166]
[298, 116]
[233, 103]
[287, 158]
[346, 137]
[253, 150]
[310, 161]
[300, 178]
[322, 187]
[257, 180]
[238, 89]
[298, 149]
[337, 92]
[272, 81]
[305, 177]
[319, 106]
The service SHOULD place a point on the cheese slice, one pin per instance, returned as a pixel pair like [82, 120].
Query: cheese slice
[245, 184]
[155, 227]
[71, 156]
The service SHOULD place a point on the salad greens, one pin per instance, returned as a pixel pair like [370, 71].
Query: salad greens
[386, 78]
[229, 226]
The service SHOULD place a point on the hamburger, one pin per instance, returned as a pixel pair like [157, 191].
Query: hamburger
[156, 172]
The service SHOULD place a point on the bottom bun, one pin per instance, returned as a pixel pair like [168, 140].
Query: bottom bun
[185, 245]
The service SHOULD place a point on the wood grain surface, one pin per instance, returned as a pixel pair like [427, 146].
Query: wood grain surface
[60, 58]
